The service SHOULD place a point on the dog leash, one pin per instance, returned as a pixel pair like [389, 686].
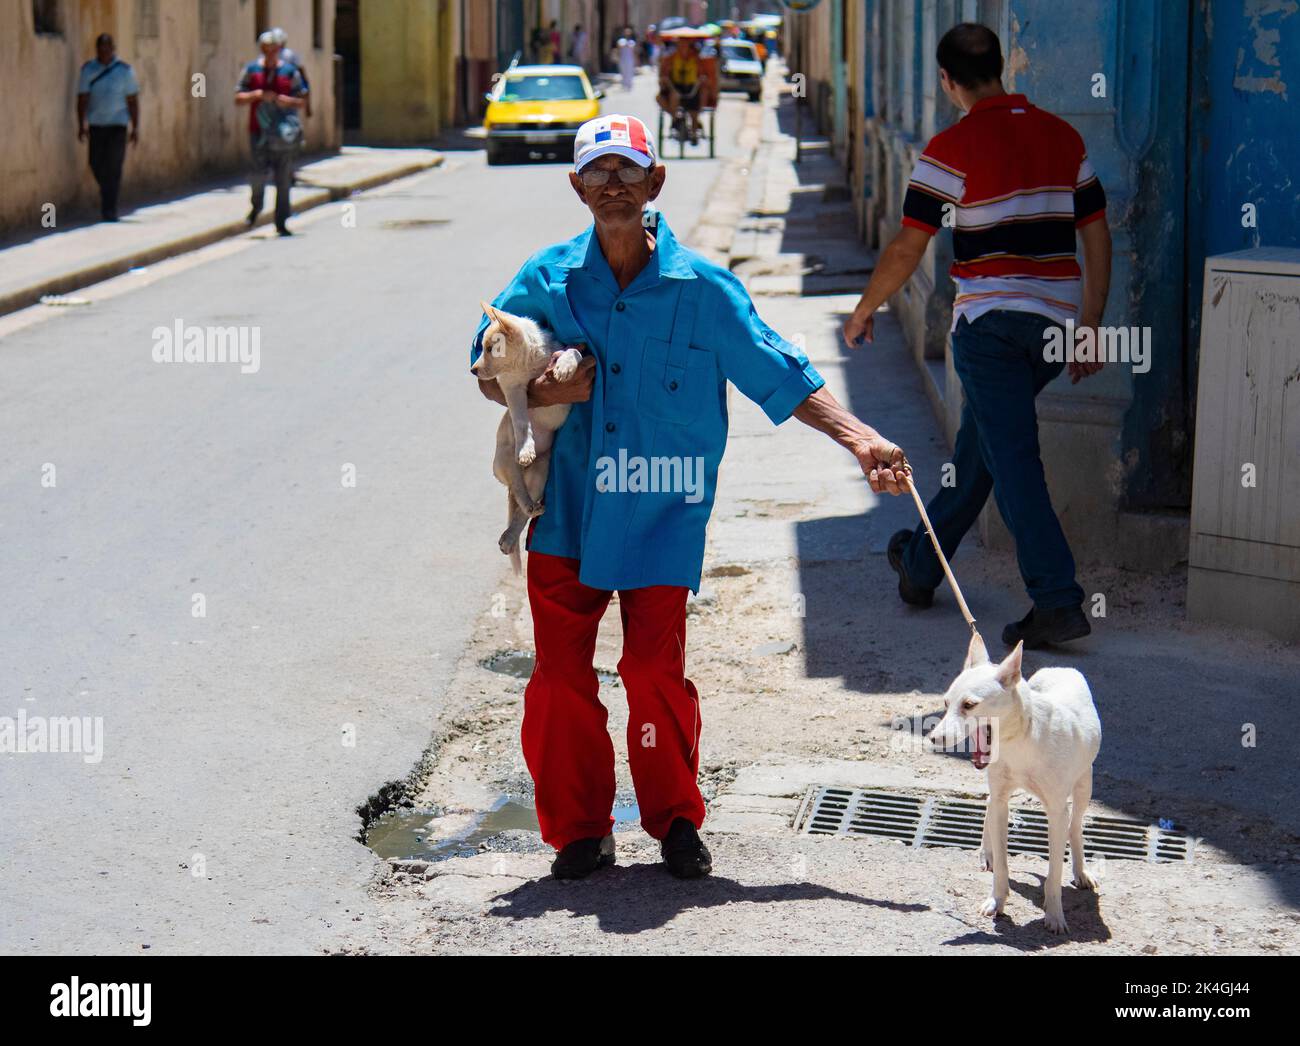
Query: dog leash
[943, 560]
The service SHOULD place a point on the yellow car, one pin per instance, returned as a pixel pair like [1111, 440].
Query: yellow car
[535, 112]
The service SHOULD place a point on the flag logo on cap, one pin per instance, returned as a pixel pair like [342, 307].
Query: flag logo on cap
[617, 135]
[620, 133]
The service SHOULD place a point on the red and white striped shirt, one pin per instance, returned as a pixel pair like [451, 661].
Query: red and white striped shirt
[1014, 183]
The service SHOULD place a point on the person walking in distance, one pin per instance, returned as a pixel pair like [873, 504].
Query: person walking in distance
[579, 47]
[274, 91]
[627, 47]
[1016, 185]
[108, 100]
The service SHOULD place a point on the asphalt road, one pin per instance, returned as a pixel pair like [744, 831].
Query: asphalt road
[333, 613]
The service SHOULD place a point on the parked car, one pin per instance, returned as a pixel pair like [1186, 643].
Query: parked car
[534, 112]
[741, 69]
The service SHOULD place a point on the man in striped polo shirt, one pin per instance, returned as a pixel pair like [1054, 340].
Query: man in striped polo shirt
[1015, 185]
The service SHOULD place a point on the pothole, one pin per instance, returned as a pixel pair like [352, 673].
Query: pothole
[930, 820]
[520, 664]
[423, 835]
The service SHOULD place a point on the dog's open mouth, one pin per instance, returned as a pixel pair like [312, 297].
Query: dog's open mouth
[983, 745]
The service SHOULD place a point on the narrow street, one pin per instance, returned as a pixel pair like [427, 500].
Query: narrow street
[238, 745]
[281, 592]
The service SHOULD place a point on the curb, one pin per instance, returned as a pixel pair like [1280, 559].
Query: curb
[725, 205]
[317, 196]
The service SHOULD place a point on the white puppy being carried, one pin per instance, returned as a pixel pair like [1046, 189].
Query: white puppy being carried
[515, 351]
[1039, 734]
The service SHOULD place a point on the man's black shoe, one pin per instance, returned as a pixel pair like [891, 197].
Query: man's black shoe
[1043, 627]
[582, 857]
[915, 595]
[283, 230]
[683, 852]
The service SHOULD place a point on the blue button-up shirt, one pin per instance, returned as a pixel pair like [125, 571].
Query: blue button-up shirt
[634, 469]
[113, 84]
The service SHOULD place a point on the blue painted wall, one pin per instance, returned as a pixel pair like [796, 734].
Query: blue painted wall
[1244, 141]
[1247, 123]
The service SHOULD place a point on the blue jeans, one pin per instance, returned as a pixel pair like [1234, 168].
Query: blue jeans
[999, 359]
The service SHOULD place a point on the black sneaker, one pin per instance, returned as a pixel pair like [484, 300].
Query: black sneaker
[582, 857]
[915, 595]
[1043, 627]
[253, 215]
[683, 852]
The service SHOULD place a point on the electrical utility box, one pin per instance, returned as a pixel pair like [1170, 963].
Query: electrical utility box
[1244, 559]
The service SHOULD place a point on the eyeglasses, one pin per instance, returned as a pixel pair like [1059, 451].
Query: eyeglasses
[595, 177]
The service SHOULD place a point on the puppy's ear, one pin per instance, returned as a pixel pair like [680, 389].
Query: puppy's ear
[501, 319]
[1009, 671]
[976, 653]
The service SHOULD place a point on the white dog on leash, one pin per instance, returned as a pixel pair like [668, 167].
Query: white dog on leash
[1041, 735]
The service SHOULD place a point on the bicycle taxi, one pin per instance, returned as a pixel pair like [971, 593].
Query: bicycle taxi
[688, 87]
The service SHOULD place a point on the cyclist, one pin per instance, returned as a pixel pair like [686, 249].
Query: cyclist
[680, 81]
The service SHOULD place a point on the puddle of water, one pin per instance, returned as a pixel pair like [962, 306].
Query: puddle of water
[519, 663]
[405, 834]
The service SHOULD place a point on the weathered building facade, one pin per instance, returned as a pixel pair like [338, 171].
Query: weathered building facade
[187, 57]
[399, 68]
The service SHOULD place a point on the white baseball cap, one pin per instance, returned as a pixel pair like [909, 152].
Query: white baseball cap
[613, 135]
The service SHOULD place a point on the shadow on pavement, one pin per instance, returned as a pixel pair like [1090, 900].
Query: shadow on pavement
[1082, 912]
[659, 897]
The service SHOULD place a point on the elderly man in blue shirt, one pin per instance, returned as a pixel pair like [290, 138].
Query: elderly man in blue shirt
[631, 485]
[108, 100]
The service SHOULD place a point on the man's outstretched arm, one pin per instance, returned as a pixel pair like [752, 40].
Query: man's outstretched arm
[897, 263]
[882, 462]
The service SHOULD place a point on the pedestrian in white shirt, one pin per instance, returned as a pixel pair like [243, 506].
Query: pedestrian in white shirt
[108, 100]
[627, 48]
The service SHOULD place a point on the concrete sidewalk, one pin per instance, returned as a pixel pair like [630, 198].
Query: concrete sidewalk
[62, 262]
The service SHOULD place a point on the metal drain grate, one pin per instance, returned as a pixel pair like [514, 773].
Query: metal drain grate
[924, 820]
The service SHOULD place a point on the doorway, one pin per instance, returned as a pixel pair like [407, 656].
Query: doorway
[347, 45]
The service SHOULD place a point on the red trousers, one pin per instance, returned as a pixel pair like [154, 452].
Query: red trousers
[566, 743]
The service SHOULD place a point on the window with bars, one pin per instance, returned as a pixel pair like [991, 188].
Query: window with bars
[147, 25]
[210, 21]
[47, 17]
